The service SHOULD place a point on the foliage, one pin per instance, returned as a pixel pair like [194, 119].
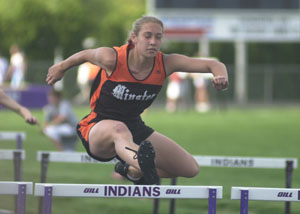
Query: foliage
[40, 26]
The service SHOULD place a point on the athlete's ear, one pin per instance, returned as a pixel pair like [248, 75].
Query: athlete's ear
[133, 37]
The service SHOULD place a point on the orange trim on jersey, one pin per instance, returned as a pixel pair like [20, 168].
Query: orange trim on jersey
[85, 125]
[96, 94]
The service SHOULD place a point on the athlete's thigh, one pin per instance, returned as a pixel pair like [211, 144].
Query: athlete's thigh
[172, 158]
[101, 138]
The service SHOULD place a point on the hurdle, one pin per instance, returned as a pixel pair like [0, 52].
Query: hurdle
[246, 162]
[63, 157]
[18, 136]
[246, 194]
[48, 191]
[20, 189]
[204, 161]
[18, 155]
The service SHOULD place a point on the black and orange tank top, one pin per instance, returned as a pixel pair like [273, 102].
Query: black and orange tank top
[121, 96]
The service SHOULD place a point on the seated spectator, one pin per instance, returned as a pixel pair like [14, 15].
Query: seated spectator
[60, 123]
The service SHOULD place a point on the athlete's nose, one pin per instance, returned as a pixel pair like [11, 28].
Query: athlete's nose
[152, 41]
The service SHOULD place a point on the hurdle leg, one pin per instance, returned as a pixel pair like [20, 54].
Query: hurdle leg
[288, 173]
[18, 166]
[48, 200]
[156, 203]
[212, 201]
[21, 200]
[244, 202]
[44, 167]
[18, 173]
[172, 200]
[19, 142]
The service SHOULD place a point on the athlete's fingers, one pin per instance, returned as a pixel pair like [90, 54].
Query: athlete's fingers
[220, 83]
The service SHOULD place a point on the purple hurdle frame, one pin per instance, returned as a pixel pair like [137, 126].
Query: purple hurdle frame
[244, 202]
[21, 199]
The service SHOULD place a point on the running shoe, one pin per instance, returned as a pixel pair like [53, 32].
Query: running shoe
[122, 169]
[146, 156]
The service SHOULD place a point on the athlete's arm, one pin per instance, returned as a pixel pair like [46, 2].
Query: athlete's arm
[16, 107]
[177, 62]
[103, 57]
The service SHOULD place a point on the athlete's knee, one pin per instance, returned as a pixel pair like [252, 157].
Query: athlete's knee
[193, 170]
[120, 128]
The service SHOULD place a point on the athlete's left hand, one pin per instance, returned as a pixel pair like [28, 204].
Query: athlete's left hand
[220, 83]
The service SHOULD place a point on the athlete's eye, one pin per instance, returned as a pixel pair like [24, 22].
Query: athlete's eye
[147, 35]
[158, 36]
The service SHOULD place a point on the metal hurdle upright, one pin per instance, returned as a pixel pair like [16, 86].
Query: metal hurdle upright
[289, 164]
[212, 193]
[17, 155]
[246, 194]
[18, 136]
[20, 189]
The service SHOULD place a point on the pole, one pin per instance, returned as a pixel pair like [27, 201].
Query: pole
[44, 167]
[288, 173]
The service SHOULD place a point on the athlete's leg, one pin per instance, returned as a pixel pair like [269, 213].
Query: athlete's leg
[109, 138]
[171, 159]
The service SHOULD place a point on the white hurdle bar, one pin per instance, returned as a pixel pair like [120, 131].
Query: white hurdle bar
[18, 136]
[245, 162]
[127, 191]
[68, 157]
[245, 194]
[20, 189]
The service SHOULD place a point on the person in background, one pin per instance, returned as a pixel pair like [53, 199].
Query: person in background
[202, 102]
[3, 69]
[177, 92]
[17, 67]
[9, 103]
[87, 72]
[60, 122]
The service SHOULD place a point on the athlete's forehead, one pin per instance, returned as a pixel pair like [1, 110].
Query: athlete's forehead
[151, 27]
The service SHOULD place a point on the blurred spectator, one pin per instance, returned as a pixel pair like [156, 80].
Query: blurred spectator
[17, 67]
[87, 72]
[202, 102]
[177, 89]
[3, 68]
[60, 122]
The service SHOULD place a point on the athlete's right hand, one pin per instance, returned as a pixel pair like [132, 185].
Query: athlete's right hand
[55, 73]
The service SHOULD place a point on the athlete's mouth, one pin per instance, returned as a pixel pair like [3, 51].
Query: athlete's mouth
[152, 49]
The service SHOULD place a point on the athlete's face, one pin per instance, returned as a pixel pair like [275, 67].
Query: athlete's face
[148, 41]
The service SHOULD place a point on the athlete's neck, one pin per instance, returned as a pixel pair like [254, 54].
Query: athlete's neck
[138, 62]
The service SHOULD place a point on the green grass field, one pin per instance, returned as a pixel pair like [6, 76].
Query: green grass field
[252, 132]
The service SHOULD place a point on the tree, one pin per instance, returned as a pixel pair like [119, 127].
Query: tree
[40, 26]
